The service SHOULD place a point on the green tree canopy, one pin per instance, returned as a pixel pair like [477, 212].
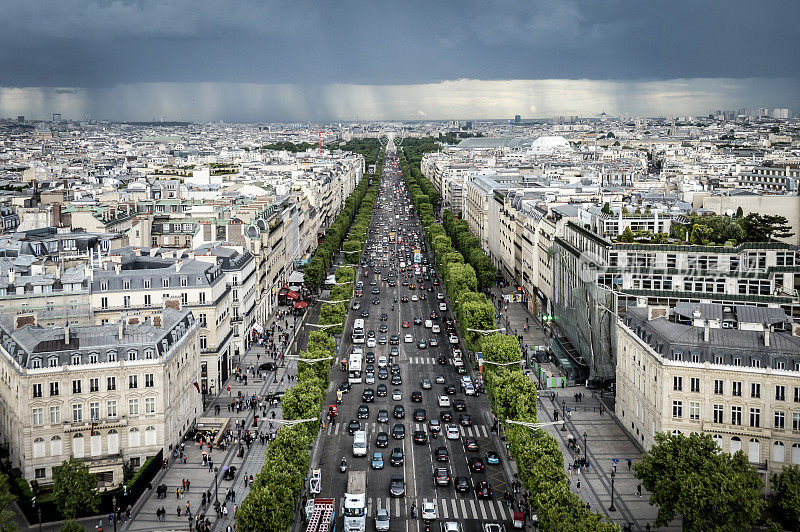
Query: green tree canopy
[6, 498]
[626, 236]
[75, 488]
[786, 488]
[711, 490]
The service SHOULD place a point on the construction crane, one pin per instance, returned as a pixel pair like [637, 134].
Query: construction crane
[319, 140]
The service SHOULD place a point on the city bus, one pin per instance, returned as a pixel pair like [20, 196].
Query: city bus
[354, 366]
[358, 331]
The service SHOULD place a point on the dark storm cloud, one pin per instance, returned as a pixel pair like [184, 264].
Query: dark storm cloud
[94, 43]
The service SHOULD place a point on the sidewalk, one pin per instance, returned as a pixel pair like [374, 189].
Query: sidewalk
[202, 478]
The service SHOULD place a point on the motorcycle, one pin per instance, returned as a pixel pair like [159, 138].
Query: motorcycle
[343, 465]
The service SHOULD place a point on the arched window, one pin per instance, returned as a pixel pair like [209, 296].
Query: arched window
[736, 444]
[111, 356]
[38, 448]
[113, 442]
[796, 454]
[94, 358]
[76, 359]
[150, 436]
[36, 363]
[718, 440]
[148, 354]
[55, 446]
[134, 437]
[78, 445]
[96, 444]
[676, 432]
[52, 362]
[778, 451]
[754, 450]
[132, 354]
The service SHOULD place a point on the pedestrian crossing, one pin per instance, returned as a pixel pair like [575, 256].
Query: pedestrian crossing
[475, 431]
[422, 360]
[463, 508]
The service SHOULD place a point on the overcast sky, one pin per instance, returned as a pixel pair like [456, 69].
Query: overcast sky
[257, 60]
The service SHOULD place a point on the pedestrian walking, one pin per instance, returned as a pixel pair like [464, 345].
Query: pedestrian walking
[578, 487]
[639, 489]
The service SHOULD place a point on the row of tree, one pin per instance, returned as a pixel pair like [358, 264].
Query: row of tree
[713, 229]
[512, 395]
[317, 267]
[271, 502]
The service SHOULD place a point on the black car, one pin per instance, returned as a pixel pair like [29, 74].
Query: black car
[363, 412]
[396, 458]
[382, 373]
[441, 454]
[471, 444]
[376, 300]
[441, 359]
[462, 484]
[446, 416]
[383, 328]
[381, 389]
[384, 317]
[382, 440]
[397, 487]
[344, 387]
[353, 426]
[475, 464]
[419, 415]
[399, 412]
[268, 366]
[394, 339]
[459, 405]
[365, 313]
[376, 290]
[420, 437]
[416, 397]
[368, 395]
[397, 380]
[395, 369]
[483, 490]
[383, 416]
[450, 389]
[398, 431]
[370, 357]
[441, 477]
[465, 420]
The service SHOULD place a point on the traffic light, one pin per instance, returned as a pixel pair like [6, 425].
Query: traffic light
[548, 317]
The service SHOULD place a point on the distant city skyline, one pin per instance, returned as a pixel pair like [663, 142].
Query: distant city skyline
[246, 60]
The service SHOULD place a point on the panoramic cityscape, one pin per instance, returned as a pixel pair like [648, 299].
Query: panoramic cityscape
[273, 266]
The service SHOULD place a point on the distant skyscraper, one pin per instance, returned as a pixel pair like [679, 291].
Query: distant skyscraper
[763, 112]
[56, 117]
[21, 118]
[517, 119]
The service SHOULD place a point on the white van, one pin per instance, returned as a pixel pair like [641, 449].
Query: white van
[442, 306]
[360, 443]
[428, 324]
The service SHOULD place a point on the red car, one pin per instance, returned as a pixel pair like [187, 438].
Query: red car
[406, 325]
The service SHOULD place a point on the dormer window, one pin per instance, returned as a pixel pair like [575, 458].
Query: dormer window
[147, 283]
[36, 363]
[165, 282]
[104, 285]
[126, 284]
[52, 362]
[111, 356]
[132, 354]
[93, 358]
[184, 281]
[148, 354]
[76, 359]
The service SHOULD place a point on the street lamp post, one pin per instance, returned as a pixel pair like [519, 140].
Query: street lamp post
[216, 486]
[585, 447]
[612, 508]
[564, 415]
[114, 509]
[39, 513]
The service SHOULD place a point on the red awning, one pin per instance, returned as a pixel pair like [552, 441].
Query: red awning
[283, 291]
[301, 304]
[291, 294]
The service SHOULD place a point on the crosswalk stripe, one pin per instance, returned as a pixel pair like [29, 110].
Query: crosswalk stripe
[455, 508]
[482, 506]
[397, 507]
[472, 506]
[491, 510]
[369, 506]
[502, 511]
[463, 509]
[443, 506]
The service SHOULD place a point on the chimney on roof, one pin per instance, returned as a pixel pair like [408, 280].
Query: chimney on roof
[796, 329]
[766, 335]
[137, 252]
[120, 329]
[117, 268]
[153, 251]
[706, 331]
[66, 334]
[11, 274]
[178, 266]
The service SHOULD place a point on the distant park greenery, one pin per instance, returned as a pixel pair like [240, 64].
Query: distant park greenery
[290, 146]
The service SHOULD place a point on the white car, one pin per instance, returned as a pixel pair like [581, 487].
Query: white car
[382, 361]
[370, 377]
[466, 379]
[440, 296]
[442, 306]
[382, 520]
[493, 527]
[415, 297]
[453, 433]
[408, 339]
[435, 329]
[371, 342]
[429, 510]
[451, 526]
[444, 400]
[469, 389]
[397, 395]
[453, 339]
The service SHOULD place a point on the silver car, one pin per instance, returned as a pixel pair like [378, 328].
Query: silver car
[382, 520]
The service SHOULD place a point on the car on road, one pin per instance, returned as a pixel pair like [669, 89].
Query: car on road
[449, 389]
[429, 510]
[383, 416]
[441, 477]
[441, 360]
[465, 420]
[384, 316]
[459, 405]
[483, 490]
[434, 426]
[408, 339]
[420, 437]
[397, 486]
[475, 464]
[399, 412]
[382, 439]
[353, 426]
[397, 395]
[396, 458]
[395, 369]
[363, 412]
[377, 460]
[382, 339]
[469, 389]
[462, 484]
[471, 444]
[405, 325]
[357, 305]
[365, 313]
[369, 358]
[416, 397]
[419, 415]
[371, 342]
[383, 374]
[382, 520]
[417, 321]
[382, 361]
[368, 395]
[493, 527]
[369, 378]
[446, 416]
[397, 380]
[345, 387]
[404, 299]
[453, 432]
[268, 366]
[422, 344]
[433, 342]
[394, 340]
[398, 431]
[381, 390]
[394, 351]
[453, 339]
[492, 457]
[443, 400]
[441, 454]
[426, 384]
[414, 297]
[440, 379]
[440, 296]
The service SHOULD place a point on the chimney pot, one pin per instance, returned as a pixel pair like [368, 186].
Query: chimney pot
[66, 334]
[706, 332]
[766, 336]
[120, 329]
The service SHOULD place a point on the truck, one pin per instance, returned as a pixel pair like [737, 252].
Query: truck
[320, 514]
[355, 502]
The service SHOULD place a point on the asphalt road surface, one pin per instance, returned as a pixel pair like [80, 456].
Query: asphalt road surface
[415, 364]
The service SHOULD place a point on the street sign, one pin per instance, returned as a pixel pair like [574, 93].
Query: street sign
[480, 358]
